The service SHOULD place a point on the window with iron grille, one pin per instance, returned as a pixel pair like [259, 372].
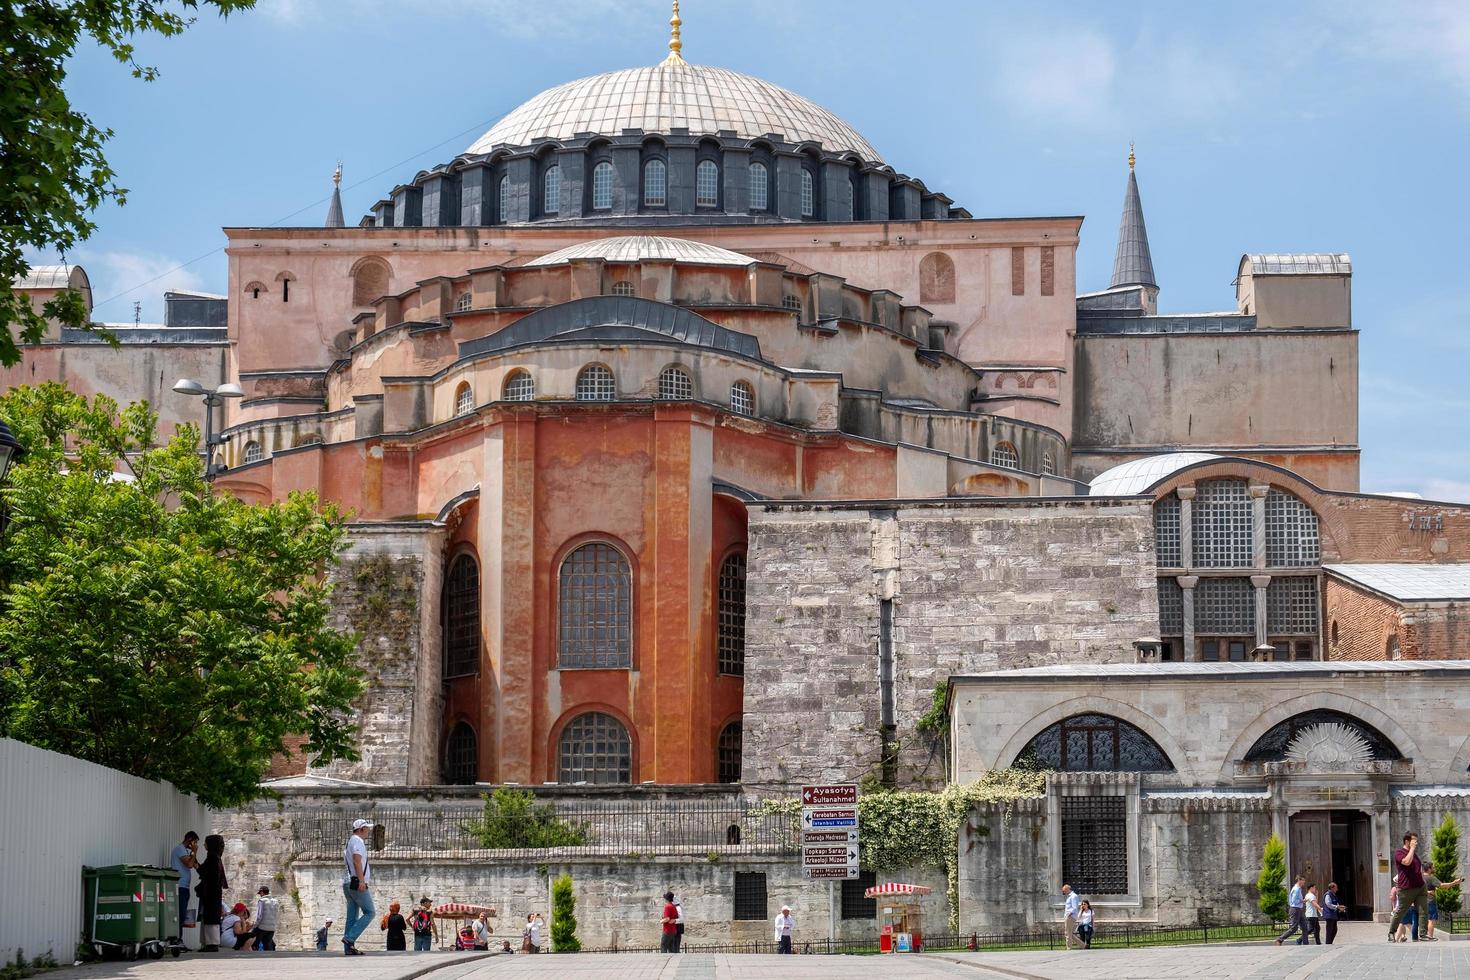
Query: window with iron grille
[519, 387]
[1094, 743]
[1225, 606]
[462, 617]
[727, 762]
[791, 302]
[707, 184]
[731, 639]
[596, 384]
[1047, 466]
[462, 302]
[1095, 844]
[1004, 454]
[750, 895]
[602, 186]
[504, 196]
[1171, 607]
[253, 452]
[808, 194]
[854, 905]
[595, 609]
[464, 400]
[551, 190]
[623, 288]
[1223, 525]
[1166, 533]
[742, 399]
[758, 186]
[594, 748]
[1292, 536]
[1291, 606]
[655, 184]
[675, 384]
[461, 756]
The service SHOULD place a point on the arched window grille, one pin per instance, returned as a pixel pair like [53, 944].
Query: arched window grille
[464, 400]
[462, 617]
[504, 196]
[461, 756]
[1272, 746]
[1004, 454]
[1048, 466]
[253, 452]
[675, 384]
[622, 288]
[1095, 743]
[655, 184]
[519, 387]
[596, 384]
[1293, 538]
[551, 190]
[759, 187]
[1222, 525]
[602, 186]
[808, 194]
[595, 748]
[727, 762]
[742, 399]
[730, 641]
[595, 608]
[707, 184]
[462, 302]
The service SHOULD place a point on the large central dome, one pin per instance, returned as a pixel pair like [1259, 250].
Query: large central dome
[674, 94]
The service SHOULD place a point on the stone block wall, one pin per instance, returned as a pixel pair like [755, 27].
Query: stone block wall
[974, 585]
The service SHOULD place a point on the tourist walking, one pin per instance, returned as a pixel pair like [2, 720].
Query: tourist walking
[481, 927]
[425, 929]
[396, 927]
[1332, 910]
[321, 935]
[1410, 872]
[1432, 884]
[355, 886]
[670, 924]
[1295, 906]
[784, 924]
[1071, 902]
[678, 925]
[267, 918]
[211, 892]
[1084, 923]
[1312, 914]
[183, 859]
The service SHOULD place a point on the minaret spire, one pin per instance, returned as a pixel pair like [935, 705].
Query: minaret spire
[1132, 264]
[676, 44]
[334, 210]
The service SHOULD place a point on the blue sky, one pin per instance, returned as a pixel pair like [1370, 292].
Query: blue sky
[1312, 126]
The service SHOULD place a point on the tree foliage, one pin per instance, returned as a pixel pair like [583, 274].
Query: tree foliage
[1445, 855]
[53, 174]
[1271, 885]
[564, 916]
[513, 819]
[151, 626]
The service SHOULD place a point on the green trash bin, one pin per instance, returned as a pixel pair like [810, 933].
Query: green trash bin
[166, 884]
[125, 905]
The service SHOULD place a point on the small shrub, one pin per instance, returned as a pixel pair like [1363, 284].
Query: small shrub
[564, 916]
[1271, 885]
[513, 819]
[1446, 857]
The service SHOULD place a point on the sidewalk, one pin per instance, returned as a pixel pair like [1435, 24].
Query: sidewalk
[330, 965]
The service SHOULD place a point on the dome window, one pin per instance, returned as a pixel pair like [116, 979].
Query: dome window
[655, 184]
[707, 184]
[808, 194]
[622, 288]
[759, 199]
[1004, 454]
[602, 186]
[464, 400]
[1047, 466]
[792, 302]
[596, 384]
[551, 190]
[674, 384]
[504, 199]
[519, 387]
[742, 399]
[253, 452]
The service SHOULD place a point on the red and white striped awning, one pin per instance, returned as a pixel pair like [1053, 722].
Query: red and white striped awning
[895, 888]
[461, 908]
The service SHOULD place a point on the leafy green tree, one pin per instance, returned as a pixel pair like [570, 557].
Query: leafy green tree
[1446, 858]
[1272, 883]
[513, 819]
[53, 174]
[564, 916]
[149, 625]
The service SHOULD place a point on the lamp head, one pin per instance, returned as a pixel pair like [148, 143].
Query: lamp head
[229, 391]
[10, 450]
[188, 386]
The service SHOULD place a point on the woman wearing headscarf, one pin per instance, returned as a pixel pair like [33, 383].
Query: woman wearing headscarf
[211, 892]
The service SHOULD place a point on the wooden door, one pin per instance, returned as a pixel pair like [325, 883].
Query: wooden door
[1363, 867]
[1311, 848]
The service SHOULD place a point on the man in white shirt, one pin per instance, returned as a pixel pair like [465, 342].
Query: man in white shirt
[1069, 913]
[267, 916]
[784, 924]
[355, 886]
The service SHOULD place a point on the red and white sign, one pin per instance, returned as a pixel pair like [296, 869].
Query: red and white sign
[831, 794]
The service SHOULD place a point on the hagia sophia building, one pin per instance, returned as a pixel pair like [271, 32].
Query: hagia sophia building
[623, 397]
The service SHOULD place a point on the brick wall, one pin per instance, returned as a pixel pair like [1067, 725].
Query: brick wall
[1360, 623]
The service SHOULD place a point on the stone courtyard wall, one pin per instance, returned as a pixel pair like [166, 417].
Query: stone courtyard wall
[975, 585]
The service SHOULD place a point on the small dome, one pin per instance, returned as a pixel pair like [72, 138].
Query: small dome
[703, 100]
[1136, 476]
[634, 248]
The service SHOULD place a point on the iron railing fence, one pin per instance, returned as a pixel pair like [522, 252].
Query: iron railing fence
[619, 827]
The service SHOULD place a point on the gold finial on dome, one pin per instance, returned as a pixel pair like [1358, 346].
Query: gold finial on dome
[1131, 158]
[675, 44]
[337, 175]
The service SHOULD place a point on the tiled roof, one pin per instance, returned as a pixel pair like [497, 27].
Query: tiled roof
[1222, 670]
[1308, 264]
[45, 277]
[1409, 583]
[1137, 475]
[632, 248]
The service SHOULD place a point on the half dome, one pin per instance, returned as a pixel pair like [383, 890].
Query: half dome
[672, 95]
[635, 248]
[1137, 475]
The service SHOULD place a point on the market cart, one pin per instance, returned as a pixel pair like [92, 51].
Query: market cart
[464, 934]
[900, 920]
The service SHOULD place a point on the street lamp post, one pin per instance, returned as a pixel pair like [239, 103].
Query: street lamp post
[213, 398]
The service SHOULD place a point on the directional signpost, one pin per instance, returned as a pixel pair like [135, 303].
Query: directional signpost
[829, 838]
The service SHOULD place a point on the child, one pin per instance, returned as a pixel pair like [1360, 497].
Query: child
[321, 935]
[1084, 923]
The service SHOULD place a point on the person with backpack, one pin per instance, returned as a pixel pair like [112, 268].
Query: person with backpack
[425, 928]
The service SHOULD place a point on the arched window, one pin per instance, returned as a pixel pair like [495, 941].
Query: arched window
[462, 617]
[936, 278]
[595, 607]
[808, 194]
[464, 399]
[1222, 524]
[504, 214]
[674, 384]
[602, 186]
[759, 187]
[551, 190]
[461, 756]
[253, 452]
[519, 387]
[730, 641]
[462, 302]
[1047, 465]
[655, 184]
[742, 399]
[707, 184]
[623, 288]
[256, 288]
[595, 383]
[1004, 454]
[594, 748]
[1293, 538]
[1094, 743]
[1323, 735]
[727, 761]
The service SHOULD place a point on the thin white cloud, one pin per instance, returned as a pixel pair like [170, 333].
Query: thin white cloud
[1065, 76]
[1454, 491]
[119, 279]
[519, 19]
[1430, 33]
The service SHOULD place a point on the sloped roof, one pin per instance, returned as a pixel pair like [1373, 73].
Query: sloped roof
[615, 318]
[1132, 263]
[1204, 670]
[1137, 475]
[46, 277]
[1302, 264]
[633, 248]
[1409, 582]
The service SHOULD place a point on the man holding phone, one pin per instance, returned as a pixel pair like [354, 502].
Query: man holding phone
[1409, 870]
[355, 886]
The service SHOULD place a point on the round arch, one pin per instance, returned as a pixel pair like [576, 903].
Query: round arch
[1321, 700]
[629, 557]
[553, 743]
[1093, 704]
